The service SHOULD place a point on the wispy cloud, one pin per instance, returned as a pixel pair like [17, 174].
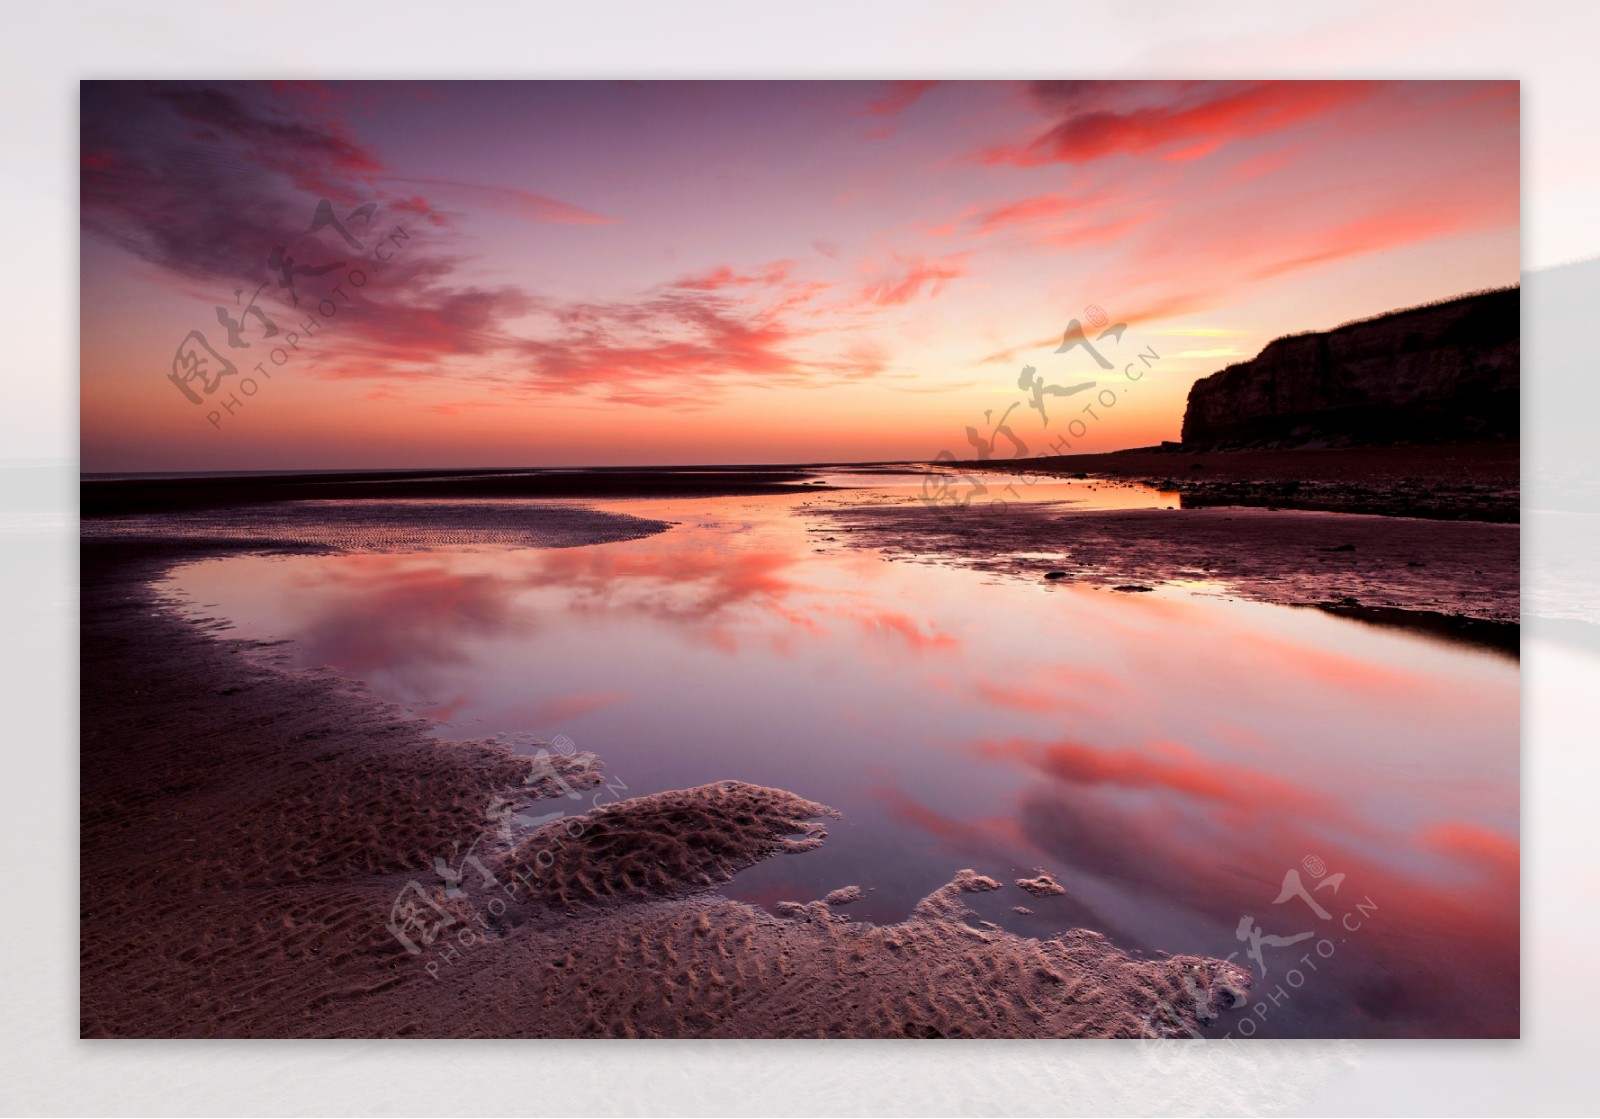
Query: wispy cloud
[908, 277]
[678, 345]
[1174, 120]
[524, 204]
[900, 96]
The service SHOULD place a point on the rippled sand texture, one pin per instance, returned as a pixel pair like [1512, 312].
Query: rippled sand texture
[718, 968]
[664, 845]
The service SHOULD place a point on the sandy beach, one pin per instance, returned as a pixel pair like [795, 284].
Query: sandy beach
[277, 852]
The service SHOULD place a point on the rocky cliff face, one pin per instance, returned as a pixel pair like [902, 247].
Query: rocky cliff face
[1444, 373]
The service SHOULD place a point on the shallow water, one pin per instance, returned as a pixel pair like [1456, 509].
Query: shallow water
[1171, 757]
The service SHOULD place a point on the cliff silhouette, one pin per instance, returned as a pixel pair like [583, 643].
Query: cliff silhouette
[1446, 372]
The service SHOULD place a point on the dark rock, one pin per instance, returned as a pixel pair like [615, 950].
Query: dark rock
[1448, 372]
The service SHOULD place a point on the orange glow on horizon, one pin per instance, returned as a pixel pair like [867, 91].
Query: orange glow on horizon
[760, 279]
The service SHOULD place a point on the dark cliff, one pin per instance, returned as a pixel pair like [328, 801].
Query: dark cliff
[1448, 372]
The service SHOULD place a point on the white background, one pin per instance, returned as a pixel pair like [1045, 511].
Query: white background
[44, 1069]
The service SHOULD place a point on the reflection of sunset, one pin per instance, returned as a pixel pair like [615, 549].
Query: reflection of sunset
[1163, 767]
[1169, 756]
[1220, 839]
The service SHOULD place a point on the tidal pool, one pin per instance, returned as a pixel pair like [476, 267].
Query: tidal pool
[1334, 805]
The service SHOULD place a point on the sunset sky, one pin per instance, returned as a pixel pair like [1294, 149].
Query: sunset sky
[636, 273]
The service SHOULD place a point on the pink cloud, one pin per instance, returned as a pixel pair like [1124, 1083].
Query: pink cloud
[900, 96]
[909, 277]
[724, 276]
[1197, 119]
[524, 204]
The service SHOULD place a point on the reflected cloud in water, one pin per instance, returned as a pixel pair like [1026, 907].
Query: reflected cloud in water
[1169, 756]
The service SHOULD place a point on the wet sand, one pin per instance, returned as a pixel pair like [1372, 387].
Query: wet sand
[156, 495]
[1458, 579]
[1468, 481]
[379, 526]
[251, 836]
